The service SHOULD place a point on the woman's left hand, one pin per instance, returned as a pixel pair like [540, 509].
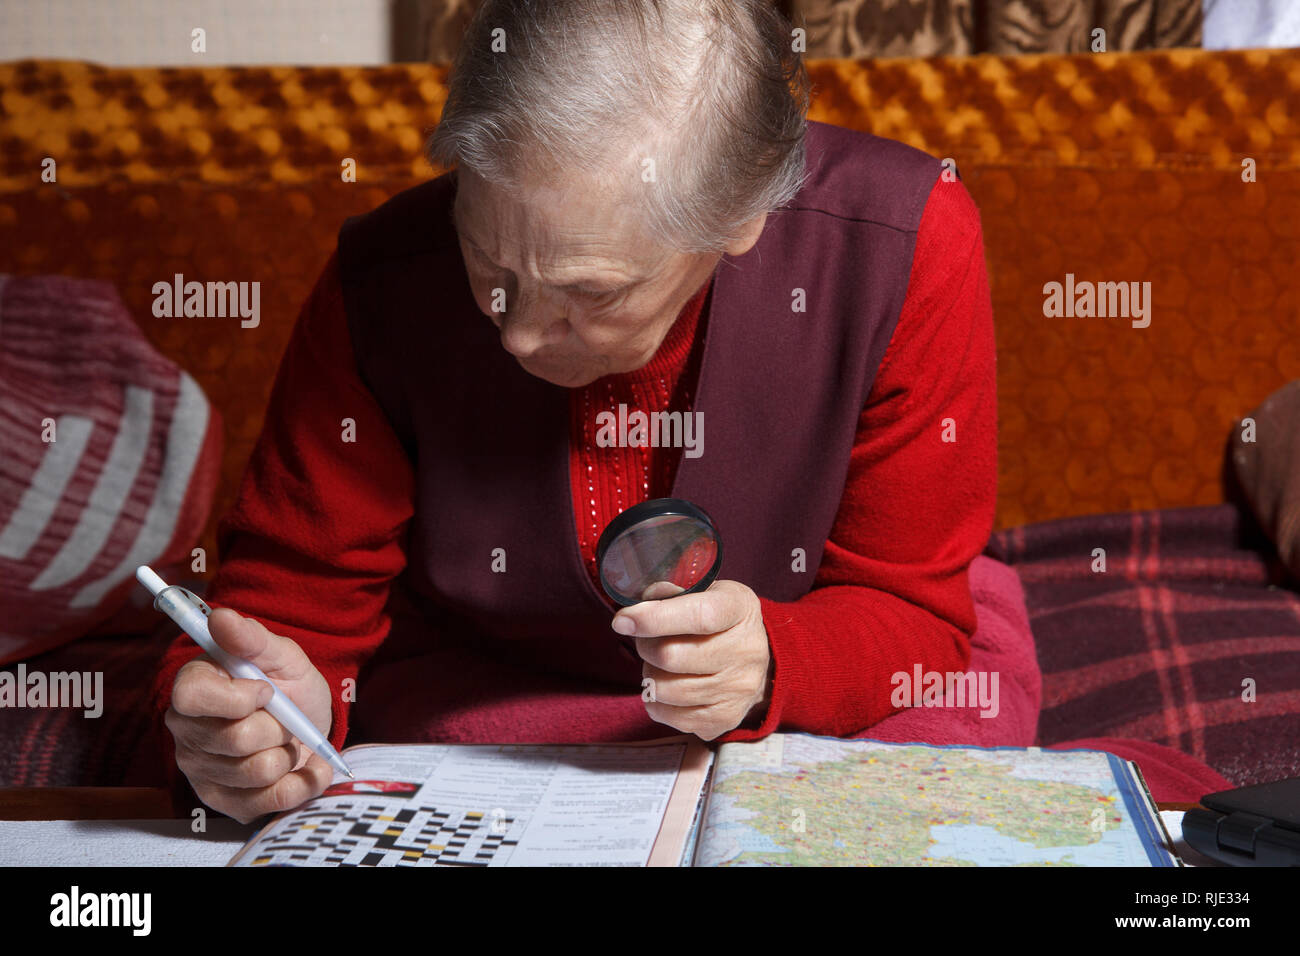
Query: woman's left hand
[707, 656]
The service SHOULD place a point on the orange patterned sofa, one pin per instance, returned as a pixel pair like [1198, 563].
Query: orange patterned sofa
[1112, 167]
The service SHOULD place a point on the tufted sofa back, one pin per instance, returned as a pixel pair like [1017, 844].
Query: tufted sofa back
[1110, 168]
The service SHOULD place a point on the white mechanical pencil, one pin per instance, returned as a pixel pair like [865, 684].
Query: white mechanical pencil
[190, 612]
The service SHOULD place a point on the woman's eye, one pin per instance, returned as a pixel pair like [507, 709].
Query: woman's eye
[595, 296]
[480, 258]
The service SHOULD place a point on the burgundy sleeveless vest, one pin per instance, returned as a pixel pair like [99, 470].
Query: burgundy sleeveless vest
[780, 392]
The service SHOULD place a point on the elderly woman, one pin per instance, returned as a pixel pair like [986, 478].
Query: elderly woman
[639, 217]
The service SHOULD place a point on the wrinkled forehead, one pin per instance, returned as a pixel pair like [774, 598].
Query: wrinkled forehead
[575, 214]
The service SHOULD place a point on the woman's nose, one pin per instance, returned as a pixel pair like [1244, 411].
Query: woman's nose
[531, 327]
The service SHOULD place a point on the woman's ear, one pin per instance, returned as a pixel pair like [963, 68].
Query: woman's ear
[752, 230]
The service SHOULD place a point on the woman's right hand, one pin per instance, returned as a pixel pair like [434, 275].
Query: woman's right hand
[237, 757]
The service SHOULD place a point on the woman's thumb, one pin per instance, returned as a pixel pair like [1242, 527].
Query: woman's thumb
[247, 638]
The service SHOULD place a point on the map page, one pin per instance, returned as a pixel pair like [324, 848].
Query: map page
[804, 800]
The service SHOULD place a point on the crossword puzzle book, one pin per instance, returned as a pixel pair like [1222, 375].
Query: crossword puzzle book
[789, 799]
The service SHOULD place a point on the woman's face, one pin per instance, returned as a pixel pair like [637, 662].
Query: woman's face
[578, 292]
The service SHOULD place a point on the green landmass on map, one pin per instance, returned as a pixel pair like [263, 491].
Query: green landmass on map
[907, 791]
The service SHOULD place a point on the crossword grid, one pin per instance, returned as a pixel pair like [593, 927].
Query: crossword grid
[357, 834]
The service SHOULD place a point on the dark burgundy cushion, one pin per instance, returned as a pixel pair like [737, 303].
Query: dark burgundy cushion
[1265, 448]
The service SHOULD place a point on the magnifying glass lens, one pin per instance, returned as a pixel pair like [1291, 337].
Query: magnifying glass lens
[658, 549]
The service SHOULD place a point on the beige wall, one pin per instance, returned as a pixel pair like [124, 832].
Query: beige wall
[157, 32]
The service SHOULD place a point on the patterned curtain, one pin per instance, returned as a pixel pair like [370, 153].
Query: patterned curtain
[876, 28]
[857, 28]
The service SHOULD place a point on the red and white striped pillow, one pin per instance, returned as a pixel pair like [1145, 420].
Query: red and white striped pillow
[128, 479]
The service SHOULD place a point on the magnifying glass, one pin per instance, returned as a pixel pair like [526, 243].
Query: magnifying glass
[658, 549]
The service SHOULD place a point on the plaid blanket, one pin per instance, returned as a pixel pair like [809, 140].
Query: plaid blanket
[1190, 637]
[61, 746]
[1162, 646]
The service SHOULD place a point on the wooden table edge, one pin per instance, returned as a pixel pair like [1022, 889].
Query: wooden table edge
[85, 803]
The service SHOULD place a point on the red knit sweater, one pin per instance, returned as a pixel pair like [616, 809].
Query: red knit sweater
[317, 534]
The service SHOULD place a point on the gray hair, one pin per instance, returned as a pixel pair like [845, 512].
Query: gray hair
[712, 91]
